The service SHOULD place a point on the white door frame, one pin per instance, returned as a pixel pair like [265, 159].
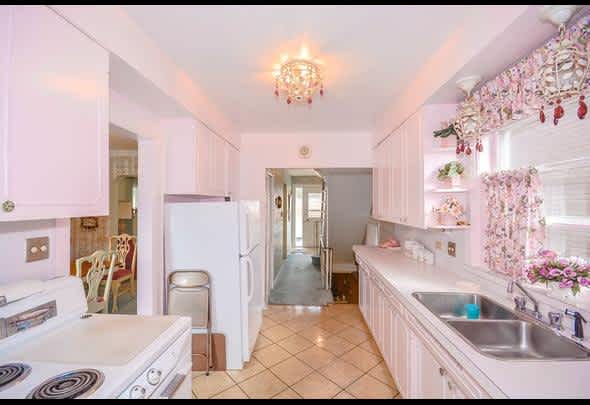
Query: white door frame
[269, 267]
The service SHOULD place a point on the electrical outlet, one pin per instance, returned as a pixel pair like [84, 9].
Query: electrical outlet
[452, 249]
[438, 245]
[37, 249]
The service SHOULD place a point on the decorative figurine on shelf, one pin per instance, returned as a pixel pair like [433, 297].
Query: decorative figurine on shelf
[447, 136]
[451, 213]
[451, 173]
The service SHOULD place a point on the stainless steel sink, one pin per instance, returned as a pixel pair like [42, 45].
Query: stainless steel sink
[501, 332]
[452, 305]
[518, 340]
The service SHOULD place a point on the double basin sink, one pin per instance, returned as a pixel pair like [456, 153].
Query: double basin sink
[500, 332]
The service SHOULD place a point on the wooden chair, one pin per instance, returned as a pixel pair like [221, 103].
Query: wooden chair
[102, 264]
[125, 247]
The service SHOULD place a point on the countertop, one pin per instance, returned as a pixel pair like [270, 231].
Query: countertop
[509, 378]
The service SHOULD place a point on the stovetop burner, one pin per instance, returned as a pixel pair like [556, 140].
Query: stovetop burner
[12, 373]
[73, 384]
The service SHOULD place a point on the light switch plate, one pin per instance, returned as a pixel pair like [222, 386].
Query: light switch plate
[37, 249]
[452, 249]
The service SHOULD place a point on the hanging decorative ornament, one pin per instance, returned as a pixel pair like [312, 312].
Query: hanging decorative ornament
[469, 123]
[564, 71]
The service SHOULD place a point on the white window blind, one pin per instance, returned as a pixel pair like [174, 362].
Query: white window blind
[562, 155]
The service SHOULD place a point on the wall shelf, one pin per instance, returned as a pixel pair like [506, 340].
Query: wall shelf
[449, 227]
[448, 190]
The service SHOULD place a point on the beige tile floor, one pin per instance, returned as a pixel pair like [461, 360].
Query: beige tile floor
[306, 352]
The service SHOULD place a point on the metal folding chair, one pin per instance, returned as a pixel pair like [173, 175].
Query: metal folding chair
[189, 294]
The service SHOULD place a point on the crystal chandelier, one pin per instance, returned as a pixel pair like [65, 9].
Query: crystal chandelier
[469, 122]
[298, 79]
[564, 71]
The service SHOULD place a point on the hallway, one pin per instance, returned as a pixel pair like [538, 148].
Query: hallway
[299, 283]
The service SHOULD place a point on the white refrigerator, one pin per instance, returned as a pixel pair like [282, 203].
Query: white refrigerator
[222, 238]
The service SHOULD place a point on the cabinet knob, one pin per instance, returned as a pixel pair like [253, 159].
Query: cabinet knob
[8, 206]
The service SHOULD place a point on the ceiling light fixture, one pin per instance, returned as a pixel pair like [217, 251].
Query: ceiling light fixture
[469, 122]
[299, 79]
[565, 69]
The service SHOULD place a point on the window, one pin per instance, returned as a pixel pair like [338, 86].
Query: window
[562, 155]
[314, 205]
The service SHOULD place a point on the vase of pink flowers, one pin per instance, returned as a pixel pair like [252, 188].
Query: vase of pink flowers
[563, 275]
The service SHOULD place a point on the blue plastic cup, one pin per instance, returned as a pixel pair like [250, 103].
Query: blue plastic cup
[472, 311]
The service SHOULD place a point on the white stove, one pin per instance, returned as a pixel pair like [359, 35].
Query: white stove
[50, 348]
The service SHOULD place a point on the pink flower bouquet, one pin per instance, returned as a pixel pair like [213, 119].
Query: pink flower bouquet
[569, 272]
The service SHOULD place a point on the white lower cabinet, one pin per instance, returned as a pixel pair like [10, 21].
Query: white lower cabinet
[420, 368]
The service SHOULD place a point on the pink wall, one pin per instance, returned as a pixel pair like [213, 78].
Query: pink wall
[13, 237]
[280, 150]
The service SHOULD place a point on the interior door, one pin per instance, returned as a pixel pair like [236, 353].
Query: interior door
[312, 204]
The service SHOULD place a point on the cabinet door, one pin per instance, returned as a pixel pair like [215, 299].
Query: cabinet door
[427, 375]
[377, 182]
[377, 313]
[219, 165]
[397, 181]
[385, 179]
[402, 348]
[362, 296]
[233, 172]
[54, 135]
[204, 160]
[414, 169]
[388, 349]
[181, 156]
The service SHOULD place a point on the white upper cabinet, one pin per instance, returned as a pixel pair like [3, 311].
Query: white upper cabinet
[54, 160]
[232, 179]
[197, 160]
[405, 162]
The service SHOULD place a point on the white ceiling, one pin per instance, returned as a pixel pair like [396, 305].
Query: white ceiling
[369, 53]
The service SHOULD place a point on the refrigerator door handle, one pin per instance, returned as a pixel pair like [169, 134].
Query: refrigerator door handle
[250, 267]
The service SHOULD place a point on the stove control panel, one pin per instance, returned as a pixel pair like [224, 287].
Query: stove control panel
[156, 372]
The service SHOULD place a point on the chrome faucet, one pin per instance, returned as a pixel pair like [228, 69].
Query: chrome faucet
[578, 327]
[520, 302]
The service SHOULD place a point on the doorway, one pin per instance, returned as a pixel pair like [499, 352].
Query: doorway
[294, 237]
[118, 230]
[308, 205]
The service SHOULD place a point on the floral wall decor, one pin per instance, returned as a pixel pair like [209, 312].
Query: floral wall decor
[515, 228]
[516, 93]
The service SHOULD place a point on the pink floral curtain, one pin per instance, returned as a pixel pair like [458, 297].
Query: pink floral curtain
[515, 228]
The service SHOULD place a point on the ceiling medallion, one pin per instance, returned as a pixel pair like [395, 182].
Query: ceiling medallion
[298, 79]
[470, 120]
[565, 68]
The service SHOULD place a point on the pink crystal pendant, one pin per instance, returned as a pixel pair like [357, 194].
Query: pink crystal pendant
[479, 146]
[309, 100]
[322, 90]
[542, 115]
[558, 112]
[289, 100]
[468, 150]
[462, 146]
[582, 108]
